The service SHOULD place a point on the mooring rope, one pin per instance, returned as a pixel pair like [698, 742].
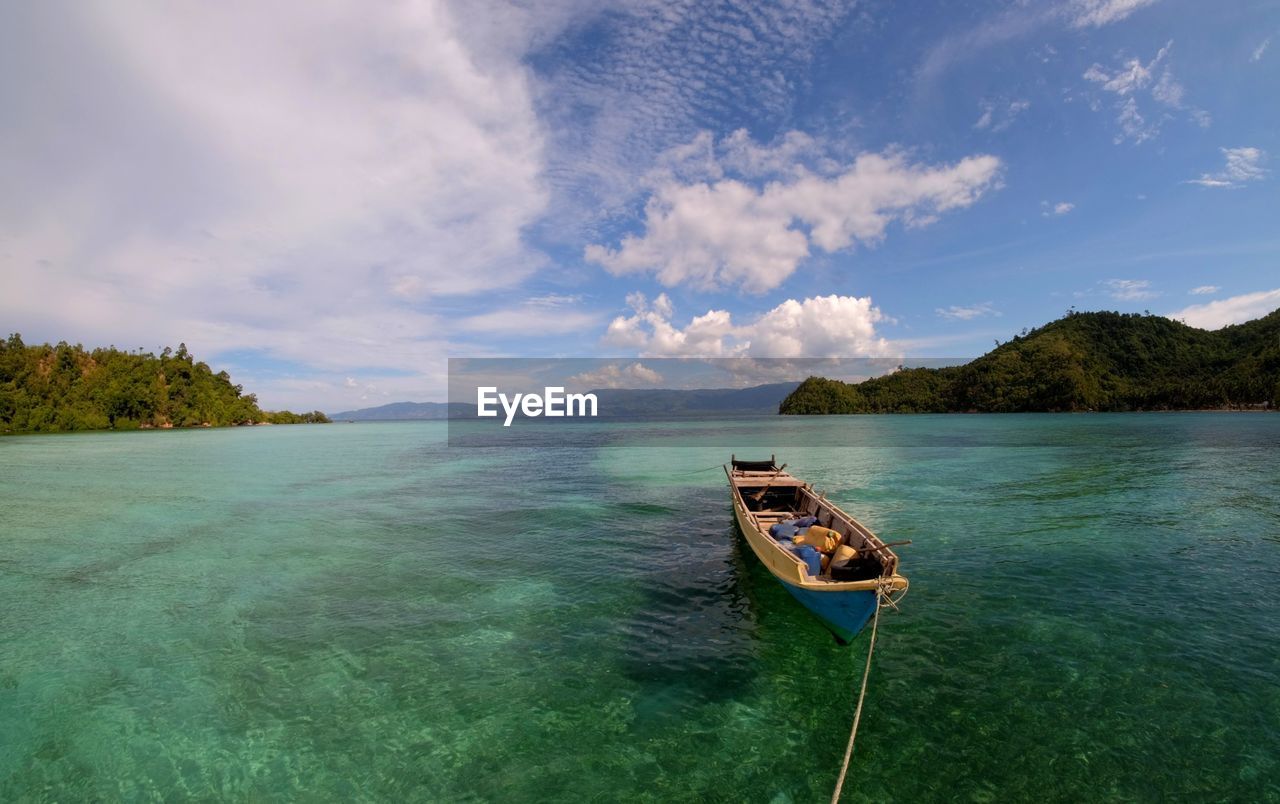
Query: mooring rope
[698, 471]
[857, 714]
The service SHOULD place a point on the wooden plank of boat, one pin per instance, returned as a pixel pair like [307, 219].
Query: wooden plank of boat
[843, 605]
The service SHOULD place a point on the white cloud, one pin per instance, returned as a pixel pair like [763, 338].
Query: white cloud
[727, 232]
[529, 320]
[1130, 78]
[546, 314]
[1055, 210]
[1168, 91]
[957, 313]
[792, 154]
[1130, 289]
[1204, 290]
[251, 177]
[647, 76]
[1096, 13]
[1000, 115]
[1235, 310]
[554, 300]
[1015, 21]
[821, 326]
[1154, 81]
[649, 330]
[1258, 52]
[635, 375]
[1242, 165]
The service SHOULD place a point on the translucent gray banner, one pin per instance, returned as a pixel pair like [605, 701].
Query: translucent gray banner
[592, 402]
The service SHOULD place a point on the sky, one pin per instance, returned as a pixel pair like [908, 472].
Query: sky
[330, 199]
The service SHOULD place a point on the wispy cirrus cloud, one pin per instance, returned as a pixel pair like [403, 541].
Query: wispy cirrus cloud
[1145, 95]
[1204, 290]
[1129, 289]
[1260, 50]
[1097, 13]
[959, 313]
[1015, 22]
[724, 230]
[528, 320]
[999, 115]
[1059, 209]
[1243, 165]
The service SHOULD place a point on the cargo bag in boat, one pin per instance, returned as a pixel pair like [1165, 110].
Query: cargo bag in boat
[783, 530]
[812, 559]
[855, 569]
[824, 540]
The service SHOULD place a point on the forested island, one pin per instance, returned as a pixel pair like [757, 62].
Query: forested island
[63, 388]
[1099, 361]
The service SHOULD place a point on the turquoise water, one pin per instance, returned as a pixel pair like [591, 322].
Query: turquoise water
[360, 612]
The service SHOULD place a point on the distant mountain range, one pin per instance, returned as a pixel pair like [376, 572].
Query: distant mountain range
[1086, 361]
[647, 403]
[614, 403]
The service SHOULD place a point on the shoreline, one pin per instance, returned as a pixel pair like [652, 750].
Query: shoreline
[153, 429]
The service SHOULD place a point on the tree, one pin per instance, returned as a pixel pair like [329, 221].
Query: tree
[63, 388]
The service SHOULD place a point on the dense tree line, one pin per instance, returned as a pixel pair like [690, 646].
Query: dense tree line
[1086, 361]
[64, 388]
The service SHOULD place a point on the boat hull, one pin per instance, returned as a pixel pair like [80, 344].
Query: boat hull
[843, 613]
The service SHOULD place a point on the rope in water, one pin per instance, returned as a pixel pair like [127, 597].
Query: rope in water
[857, 715]
[697, 471]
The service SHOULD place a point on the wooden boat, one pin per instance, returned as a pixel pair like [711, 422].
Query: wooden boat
[765, 495]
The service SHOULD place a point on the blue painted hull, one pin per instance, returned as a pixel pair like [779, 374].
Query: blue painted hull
[845, 613]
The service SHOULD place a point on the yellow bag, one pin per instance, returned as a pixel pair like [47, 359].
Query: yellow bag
[824, 540]
[844, 552]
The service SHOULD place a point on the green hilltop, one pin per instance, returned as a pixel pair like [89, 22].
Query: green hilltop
[64, 388]
[1099, 361]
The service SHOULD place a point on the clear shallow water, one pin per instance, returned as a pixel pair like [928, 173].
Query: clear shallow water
[361, 612]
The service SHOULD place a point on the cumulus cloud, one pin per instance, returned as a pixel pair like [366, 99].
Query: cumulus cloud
[957, 313]
[731, 231]
[1129, 289]
[1054, 210]
[1145, 94]
[251, 177]
[1235, 310]
[1204, 290]
[1242, 165]
[634, 375]
[821, 326]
